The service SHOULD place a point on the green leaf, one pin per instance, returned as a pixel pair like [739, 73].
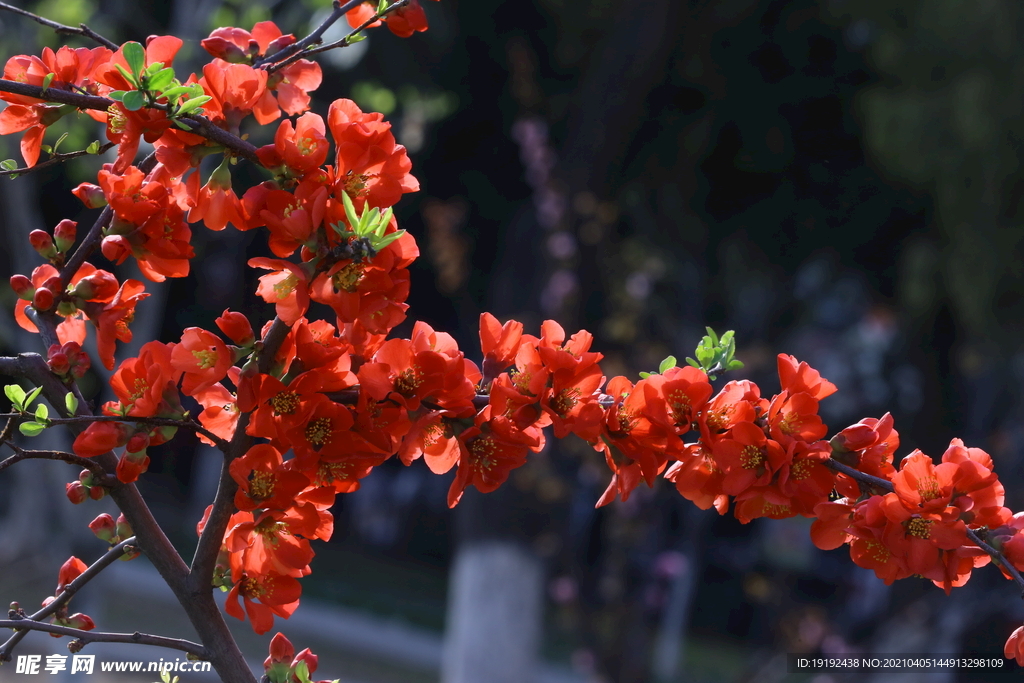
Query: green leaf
[667, 364]
[734, 365]
[16, 395]
[134, 100]
[71, 403]
[693, 362]
[302, 672]
[382, 5]
[93, 148]
[8, 164]
[116, 95]
[193, 104]
[160, 80]
[127, 75]
[172, 94]
[183, 126]
[154, 68]
[59, 140]
[42, 412]
[645, 375]
[384, 241]
[47, 80]
[714, 337]
[31, 428]
[350, 211]
[355, 38]
[46, 148]
[135, 55]
[32, 396]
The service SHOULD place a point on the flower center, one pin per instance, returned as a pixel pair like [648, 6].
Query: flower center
[285, 403]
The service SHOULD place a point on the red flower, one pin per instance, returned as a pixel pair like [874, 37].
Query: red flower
[287, 287]
[203, 357]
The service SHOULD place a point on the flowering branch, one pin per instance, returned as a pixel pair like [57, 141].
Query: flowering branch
[205, 558]
[156, 421]
[347, 40]
[883, 485]
[82, 29]
[86, 637]
[200, 125]
[314, 38]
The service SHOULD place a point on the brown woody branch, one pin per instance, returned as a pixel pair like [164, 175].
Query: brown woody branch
[55, 159]
[155, 421]
[344, 42]
[20, 454]
[314, 38]
[86, 637]
[82, 29]
[200, 124]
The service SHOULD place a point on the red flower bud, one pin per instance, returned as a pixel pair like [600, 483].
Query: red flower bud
[23, 287]
[97, 492]
[308, 657]
[99, 438]
[76, 493]
[42, 243]
[281, 650]
[101, 286]
[104, 528]
[131, 465]
[69, 571]
[42, 300]
[90, 195]
[124, 529]
[236, 327]
[80, 621]
[138, 442]
[59, 363]
[64, 234]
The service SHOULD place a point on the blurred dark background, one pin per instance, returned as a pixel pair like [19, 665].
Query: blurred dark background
[836, 180]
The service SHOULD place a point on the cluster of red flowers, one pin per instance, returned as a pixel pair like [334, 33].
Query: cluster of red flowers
[337, 399]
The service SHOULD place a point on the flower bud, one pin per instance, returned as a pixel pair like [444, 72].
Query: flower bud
[104, 528]
[80, 621]
[43, 244]
[53, 284]
[124, 529]
[115, 248]
[236, 327]
[64, 234]
[85, 476]
[308, 657]
[97, 492]
[281, 650]
[90, 195]
[59, 363]
[101, 286]
[138, 442]
[76, 493]
[42, 300]
[23, 287]
[226, 50]
[131, 466]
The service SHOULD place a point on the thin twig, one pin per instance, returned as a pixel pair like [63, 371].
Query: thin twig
[55, 159]
[99, 637]
[82, 29]
[20, 454]
[314, 38]
[200, 125]
[156, 421]
[344, 42]
[69, 591]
